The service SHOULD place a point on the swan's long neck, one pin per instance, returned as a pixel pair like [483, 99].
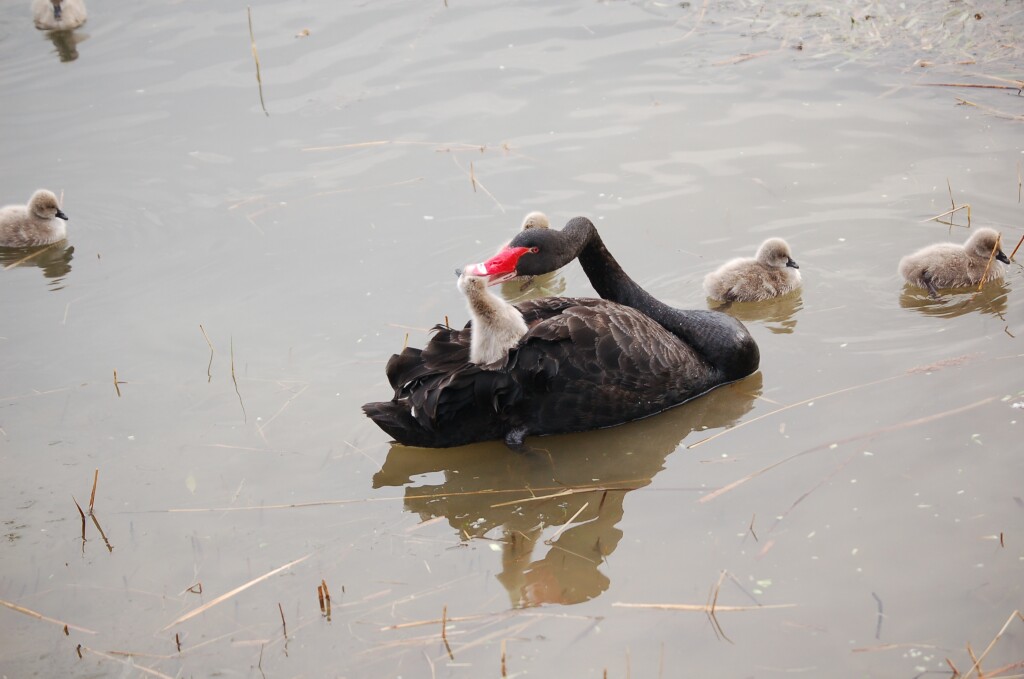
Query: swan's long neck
[497, 325]
[720, 339]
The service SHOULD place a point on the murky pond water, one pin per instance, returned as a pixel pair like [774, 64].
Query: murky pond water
[859, 501]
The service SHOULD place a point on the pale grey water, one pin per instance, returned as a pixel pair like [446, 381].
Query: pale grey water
[191, 207]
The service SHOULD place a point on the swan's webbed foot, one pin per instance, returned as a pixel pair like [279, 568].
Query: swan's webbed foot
[515, 439]
[933, 292]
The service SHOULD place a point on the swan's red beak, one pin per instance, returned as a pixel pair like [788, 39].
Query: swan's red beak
[499, 268]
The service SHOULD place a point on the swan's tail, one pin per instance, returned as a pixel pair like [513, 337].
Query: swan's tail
[397, 421]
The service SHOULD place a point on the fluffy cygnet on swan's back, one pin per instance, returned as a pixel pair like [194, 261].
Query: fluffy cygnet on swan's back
[39, 223]
[771, 273]
[58, 15]
[950, 265]
[497, 325]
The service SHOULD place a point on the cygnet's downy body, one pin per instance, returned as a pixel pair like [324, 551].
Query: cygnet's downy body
[58, 15]
[497, 325]
[771, 273]
[949, 265]
[39, 223]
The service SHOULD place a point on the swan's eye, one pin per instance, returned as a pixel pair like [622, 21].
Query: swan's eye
[535, 249]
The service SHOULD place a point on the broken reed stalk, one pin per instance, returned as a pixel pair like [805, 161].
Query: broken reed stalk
[39, 616]
[116, 388]
[327, 599]
[96, 522]
[988, 109]
[82, 514]
[1016, 248]
[245, 417]
[256, 58]
[566, 525]
[29, 256]
[209, 375]
[177, 641]
[444, 632]
[988, 265]
[936, 218]
[320, 597]
[284, 626]
[92, 496]
[241, 588]
[702, 608]
[977, 661]
[504, 668]
[472, 176]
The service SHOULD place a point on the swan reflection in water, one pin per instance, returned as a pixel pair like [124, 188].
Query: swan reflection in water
[66, 43]
[777, 314]
[54, 259]
[991, 300]
[489, 492]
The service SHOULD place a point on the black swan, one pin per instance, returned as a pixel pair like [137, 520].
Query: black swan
[583, 363]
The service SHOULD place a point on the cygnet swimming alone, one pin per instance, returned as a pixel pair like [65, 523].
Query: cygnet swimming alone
[771, 273]
[39, 223]
[949, 265]
[497, 325]
[58, 15]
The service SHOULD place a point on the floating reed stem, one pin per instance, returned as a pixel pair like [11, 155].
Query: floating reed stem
[39, 616]
[444, 632]
[284, 626]
[245, 417]
[256, 58]
[504, 670]
[327, 599]
[116, 383]
[209, 375]
[241, 588]
[92, 496]
[1017, 248]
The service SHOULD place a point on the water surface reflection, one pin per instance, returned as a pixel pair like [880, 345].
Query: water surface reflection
[576, 481]
[778, 314]
[66, 43]
[991, 300]
[54, 259]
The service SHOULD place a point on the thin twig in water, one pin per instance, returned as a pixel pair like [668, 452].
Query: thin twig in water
[565, 525]
[130, 664]
[83, 521]
[92, 496]
[256, 58]
[116, 383]
[992, 255]
[327, 599]
[988, 109]
[702, 608]
[245, 417]
[284, 626]
[1017, 248]
[444, 632]
[40, 616]
[977, 662]
[209, 375]
[224, 597]
[477, 182]
[752, 527]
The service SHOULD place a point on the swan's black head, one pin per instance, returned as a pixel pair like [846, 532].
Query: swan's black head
[543, 250]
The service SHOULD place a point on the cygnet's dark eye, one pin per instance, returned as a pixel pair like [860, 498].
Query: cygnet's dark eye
[535, 249]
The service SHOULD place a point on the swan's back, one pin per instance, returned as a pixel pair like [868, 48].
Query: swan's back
[583, 364]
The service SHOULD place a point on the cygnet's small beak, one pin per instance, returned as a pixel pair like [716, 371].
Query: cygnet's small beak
[790, 262]
[61, 214]
[1001, 256]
